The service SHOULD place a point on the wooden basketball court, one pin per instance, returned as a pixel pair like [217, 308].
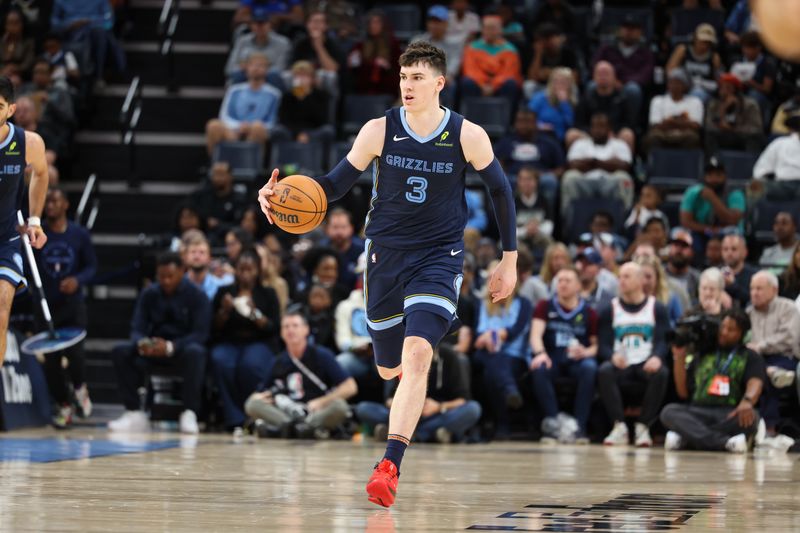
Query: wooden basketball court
[84, 480]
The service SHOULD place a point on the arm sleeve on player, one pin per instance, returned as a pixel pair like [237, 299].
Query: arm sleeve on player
[339, 180]
[503, 203]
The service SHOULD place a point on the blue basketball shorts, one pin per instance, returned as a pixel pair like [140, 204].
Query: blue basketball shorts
[11, 269]
[399, 282]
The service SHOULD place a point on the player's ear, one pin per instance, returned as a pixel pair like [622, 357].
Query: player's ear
[12, 108]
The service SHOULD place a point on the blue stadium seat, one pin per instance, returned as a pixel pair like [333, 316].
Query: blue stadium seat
[763, 216]
[360, 108]
[583, 209]
[684, 22]
[405, 19]
[738, 166]
[307, 156]
[674, 170]
[246, 159]
[491, 113]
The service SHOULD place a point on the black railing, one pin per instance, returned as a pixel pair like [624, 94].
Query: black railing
[167, 24]
[129, 119]
[90, 192]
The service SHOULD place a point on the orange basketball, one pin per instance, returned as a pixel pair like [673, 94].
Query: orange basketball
[299, 204]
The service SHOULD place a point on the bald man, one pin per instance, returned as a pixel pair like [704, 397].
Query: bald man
[776, 337]
[632, 342]
[737, 273]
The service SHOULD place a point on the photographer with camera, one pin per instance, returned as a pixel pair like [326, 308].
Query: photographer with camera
[723, 384]
[692, 328]
[307, 392]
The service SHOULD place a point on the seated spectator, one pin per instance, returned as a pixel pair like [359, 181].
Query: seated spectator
[270, 275]
[675, 117]
[733, 121]
[757, 71]
[598, 285]
[632, 59]
[196, 255]
[602, 95]
[57, 119]
[186, 218]
[737, 272]
[491, 64]
[632, 342]
[555, 12]
[306, 392]
[780, 255]
[678, 266]
[654, 283]
[249, 110]
[339, 235]
[65, 70]
[778, 126]
[564, 343]
[467, 307]
[303, 115]
[17, 51]
[699, 60]
[776, 338]
[373, 61]
[530, 287]
[453, 46]
[646, 209]
[790, 278]
[722, 394]
[322, 266]
[170, 327]
[713, 253]
[534, 215]
[781, 158]
[598, 166]
[219, 203]
[525, 145]
[738, 22]
[502, 354]
[261, 40]
[463, 25]
[550, 51]
[254, 222]
[237, 241]
[318, 307]
[352, 337]
[87, 28]
[245, 337]
[556, 257]
[710, 207]
[555, 105]
[319, 47]
[448, 412]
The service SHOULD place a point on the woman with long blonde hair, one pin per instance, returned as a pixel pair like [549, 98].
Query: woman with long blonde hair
[270, 276]
[555, 106]
[654, 283]
[556, 257]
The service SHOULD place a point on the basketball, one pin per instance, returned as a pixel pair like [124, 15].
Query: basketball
[299, 204]
[779, 21]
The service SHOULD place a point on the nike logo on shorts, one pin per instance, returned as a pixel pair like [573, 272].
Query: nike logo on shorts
[455, 252]
[396, 138]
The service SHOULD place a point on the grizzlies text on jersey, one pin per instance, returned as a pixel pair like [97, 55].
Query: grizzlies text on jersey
[418, 185]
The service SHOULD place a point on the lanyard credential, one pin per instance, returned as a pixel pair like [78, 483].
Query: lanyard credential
[726, 366]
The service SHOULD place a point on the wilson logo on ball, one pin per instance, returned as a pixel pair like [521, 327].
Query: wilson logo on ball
[283, 217]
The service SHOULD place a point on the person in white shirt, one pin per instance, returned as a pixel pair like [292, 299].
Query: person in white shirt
[782, 157]
[598, 166]
[781, 254]
[463, 24]
[675, 117]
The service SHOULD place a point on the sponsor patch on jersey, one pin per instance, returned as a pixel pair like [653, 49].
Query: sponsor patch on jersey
[441, 140]
[12, 149]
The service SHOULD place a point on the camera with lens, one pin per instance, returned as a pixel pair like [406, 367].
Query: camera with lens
[698, 330]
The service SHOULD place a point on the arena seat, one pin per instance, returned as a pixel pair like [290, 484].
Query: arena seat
[674, 170]
[246, 159]
[491, 113]
[307, 156]
[360, 108]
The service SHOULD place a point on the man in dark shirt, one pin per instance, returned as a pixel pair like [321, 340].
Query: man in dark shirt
[632, 342]
[170, 325]
[303, 115]
[737, 273]
[68, 263]
[550, 50]
[219, 203]
[339, 236]
[318, 47]
[307, 390]
[722, 387]
[631, 57]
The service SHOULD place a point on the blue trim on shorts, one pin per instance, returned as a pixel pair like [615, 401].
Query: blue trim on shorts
[385, 323]
[430, 299]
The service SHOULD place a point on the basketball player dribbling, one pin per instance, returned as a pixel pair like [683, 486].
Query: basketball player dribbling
[18, 149]
[414, 236]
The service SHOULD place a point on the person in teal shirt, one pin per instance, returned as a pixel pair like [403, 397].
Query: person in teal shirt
[709, 208]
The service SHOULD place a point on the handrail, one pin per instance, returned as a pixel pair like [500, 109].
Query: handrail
[129, 116]
[87, 192]
[167, 25]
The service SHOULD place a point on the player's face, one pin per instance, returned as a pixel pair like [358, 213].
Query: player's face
[6, 111]
[420, 86]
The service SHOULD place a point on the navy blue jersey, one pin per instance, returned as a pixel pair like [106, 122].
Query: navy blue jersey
[12, 181]
[418, 185]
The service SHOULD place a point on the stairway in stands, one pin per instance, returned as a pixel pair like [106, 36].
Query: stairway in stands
[170, 149]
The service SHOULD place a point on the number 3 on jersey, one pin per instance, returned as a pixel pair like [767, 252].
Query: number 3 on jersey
[417, 194]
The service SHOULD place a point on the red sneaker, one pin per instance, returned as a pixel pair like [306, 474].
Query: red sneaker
[382, 485]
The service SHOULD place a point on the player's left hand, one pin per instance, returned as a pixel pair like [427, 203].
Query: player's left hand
[265, 192]
[37, 236]
[504, 278]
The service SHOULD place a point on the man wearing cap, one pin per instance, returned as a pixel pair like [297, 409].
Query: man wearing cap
[598, 285]
[709, 207]
[679, 268]
[778, 126]
[781, 159]
[453, 46]
[733, 121]
[700, 61]
[261, 39]
[632, 59]
[675, 117]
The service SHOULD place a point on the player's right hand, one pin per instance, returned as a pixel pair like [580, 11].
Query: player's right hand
[265, 192]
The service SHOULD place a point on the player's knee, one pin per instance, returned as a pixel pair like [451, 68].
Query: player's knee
[389, 373]
[417, 355]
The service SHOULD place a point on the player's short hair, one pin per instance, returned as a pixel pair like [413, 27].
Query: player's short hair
[7, 89]
[169, 258]
[424, 53]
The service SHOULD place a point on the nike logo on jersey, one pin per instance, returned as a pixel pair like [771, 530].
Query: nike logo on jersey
[396, 138]
[455, 252]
